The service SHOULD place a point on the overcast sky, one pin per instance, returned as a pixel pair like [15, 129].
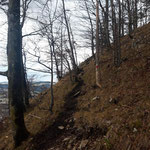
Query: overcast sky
[31, 26]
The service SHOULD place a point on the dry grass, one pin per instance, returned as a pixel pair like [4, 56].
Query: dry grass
[130, 85]
[38, 116]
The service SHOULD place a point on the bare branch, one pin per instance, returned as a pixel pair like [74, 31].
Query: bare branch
[38, 70]
[4, 73]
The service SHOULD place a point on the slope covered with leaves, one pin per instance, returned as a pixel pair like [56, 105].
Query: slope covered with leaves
[117, 116]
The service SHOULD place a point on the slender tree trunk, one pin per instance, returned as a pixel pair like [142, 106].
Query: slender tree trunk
[122, 20]
[107, 23]
[135, 15]
[129, 17]
[75, 68]
[119, 36]
[52, 49]
[101, 37]
[61, 55]
[141, 17]
[97, 46]
[57, 68]
[54, 53]
[52, 93]
[73, 44]
[114, 29]
[24, 82]
[119, 22]
[15, 78]
[116, 35]
[69, 68]
[105, 33]
[26, 90]
[92, 29]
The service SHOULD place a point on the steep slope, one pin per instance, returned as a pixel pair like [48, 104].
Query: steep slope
[117, 116]
[123, 104]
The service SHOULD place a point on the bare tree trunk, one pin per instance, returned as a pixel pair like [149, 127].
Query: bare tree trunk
[15, 78]
[92, 29]
[26, 93]
[129, 17]
[61, 49]
[69, 68]
[135, 15]
[116, 34]
[107, 24]
[73, 44]
[52, 94]
[52, 49]
[54, 52]
[24, 81]
[113, 26]
[70, 42]
[119, 36]
[122, 19]
[97, 46]
[26, 84]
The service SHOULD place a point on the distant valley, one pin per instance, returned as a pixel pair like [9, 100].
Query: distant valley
[35, 89]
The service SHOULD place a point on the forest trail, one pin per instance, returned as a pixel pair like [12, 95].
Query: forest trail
[62, 130]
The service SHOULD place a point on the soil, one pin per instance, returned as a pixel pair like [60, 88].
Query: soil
[64, 120]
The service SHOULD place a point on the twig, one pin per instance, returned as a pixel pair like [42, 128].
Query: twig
[35, 116]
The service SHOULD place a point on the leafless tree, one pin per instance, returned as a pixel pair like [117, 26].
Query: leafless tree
[74, 63]
[97, 46]
[15, 76]
[24, 7]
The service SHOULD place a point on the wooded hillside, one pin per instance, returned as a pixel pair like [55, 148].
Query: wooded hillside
[115, 117]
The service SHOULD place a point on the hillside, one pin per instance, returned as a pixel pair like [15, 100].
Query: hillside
[115, 117]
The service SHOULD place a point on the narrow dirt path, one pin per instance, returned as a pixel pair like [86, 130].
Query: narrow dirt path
[52, 137]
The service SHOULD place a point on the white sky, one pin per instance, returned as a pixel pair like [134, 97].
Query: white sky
[31, 26]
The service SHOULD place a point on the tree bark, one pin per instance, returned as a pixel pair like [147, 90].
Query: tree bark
[52, 49]
[129, 17]
[92, 29]
[52, 94]
[24, 79]
[97, 46]
[122, 19]
[116, 28]
[107, 24]
[119, 36]
[61, 51]
[135, 23]
[26, 83]
[15, 78]
[75, 68]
